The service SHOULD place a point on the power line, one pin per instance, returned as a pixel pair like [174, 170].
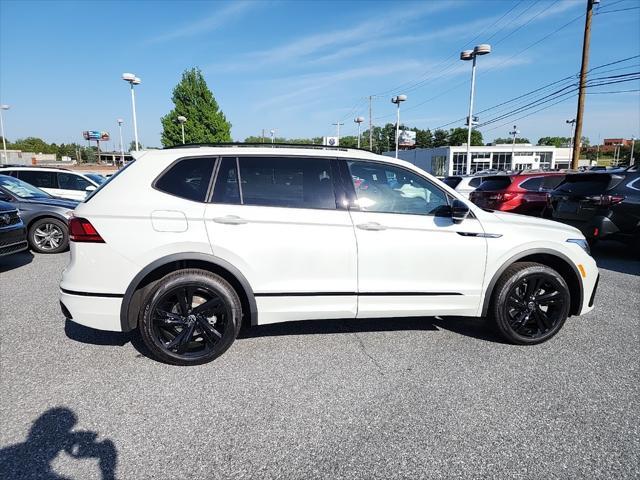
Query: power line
[614, 91]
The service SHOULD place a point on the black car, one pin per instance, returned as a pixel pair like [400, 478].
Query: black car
[13, 234]
[45, 217]
[602, 205]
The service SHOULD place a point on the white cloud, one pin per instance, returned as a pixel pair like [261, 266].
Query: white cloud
[220, 18]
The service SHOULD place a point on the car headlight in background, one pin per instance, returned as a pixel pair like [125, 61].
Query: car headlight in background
[582, 243]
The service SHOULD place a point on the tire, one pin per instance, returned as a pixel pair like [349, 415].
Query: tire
[530, 303]
[180, 333]
[48, 235]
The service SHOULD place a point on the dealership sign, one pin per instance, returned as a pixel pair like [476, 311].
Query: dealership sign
[96, 135]
[331, 141]
[407, 138]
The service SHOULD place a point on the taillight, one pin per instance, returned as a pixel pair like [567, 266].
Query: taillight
[605, 200]
[81, 230]
[503, 197]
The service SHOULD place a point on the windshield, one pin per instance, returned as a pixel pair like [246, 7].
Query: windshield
[96, 177]
[21, 189]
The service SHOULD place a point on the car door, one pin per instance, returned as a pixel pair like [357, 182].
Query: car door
[73, 186]
[412, 258]
[277, 220]
[43, 179]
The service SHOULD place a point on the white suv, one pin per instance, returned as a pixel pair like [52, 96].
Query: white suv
[58, 182]
[186, 244]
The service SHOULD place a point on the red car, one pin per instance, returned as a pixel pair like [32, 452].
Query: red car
[524, 193]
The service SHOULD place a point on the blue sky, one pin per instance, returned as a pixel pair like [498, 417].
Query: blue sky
[300, 66]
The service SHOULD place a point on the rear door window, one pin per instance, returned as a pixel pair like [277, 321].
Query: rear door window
[188, 178]
[292, 182]
[70, 181]
[499, 182]
[38, 178]
[532, 184]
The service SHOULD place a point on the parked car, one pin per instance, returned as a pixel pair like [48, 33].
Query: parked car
[45, 217]
[58, 182]
[517, 193]
[464, 185]
[13, 235]
[601, 205]
[192, 242]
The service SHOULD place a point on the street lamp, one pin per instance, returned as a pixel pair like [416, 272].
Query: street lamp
[4, 141]
[120, 122]
[482, 49]
[398, 99]
[181, 120]
[359, 121]
[133, 80]
[273, 136]
[571, 122]
[514, 132]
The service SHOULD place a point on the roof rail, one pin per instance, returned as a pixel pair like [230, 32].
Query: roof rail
[312, 146]
[15, 165]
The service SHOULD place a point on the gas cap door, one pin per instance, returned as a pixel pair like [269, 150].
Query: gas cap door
[169, 221]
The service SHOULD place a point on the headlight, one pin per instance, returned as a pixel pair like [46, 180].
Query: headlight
[582, 243]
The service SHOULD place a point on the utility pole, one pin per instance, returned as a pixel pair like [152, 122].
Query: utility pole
[575, 155]
[370, 125]
[338, 125]
[263, 135]
[571, 140]
[514, 132]
[633, 144]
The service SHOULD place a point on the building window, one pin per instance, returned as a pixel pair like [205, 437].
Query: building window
[545, 160]
[459, 163]
[502, 161]
[438, 163]
[480, 161]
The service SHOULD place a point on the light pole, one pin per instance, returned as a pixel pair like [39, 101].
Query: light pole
[398, 99]
[133, 80]
[181, 120]
[120, 122]
[273, 136]
[571, 122]
[514, 132]
[359, 121]
[633, 144]
[338, 127]
[482, 49]
[4, 140]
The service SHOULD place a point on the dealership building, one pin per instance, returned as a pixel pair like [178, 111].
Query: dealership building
[444, 161]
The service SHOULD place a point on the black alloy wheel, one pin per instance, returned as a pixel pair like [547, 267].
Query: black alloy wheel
[531, 303]
[190, 317]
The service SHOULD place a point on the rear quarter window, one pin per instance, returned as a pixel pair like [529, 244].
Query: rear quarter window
[188, 178]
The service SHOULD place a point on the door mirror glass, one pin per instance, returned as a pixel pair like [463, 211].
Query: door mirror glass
[459, 211]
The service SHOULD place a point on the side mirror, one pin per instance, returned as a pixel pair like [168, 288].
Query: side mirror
[90, 188]
[459, 211]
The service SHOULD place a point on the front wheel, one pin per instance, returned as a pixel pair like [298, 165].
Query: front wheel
[48, 235]
[530, 303]
[190, 317]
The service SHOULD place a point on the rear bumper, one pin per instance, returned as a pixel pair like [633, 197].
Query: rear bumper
[594, 228]
[99, 311]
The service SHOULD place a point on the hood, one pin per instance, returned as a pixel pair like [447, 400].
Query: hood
[526, 221]
[51, 202]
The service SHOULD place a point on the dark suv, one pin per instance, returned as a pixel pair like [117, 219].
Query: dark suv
[601, 205]
[13, 235]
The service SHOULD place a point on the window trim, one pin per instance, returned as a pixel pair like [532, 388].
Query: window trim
[172, 164]
[356, 207]
[335, 175]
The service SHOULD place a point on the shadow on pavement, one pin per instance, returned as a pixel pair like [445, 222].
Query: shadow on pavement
[83, 334]
[618, 257]
[15, 260]
[51, 434]
[470, 327]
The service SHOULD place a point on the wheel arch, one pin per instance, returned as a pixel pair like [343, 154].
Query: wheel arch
[43, 215]
[551, 258]
[132, 299]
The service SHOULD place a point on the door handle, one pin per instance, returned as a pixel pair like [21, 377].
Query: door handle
[372, 226]
[230, 220]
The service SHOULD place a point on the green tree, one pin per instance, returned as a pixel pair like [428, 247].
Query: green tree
[193, 100]
[424, 138]
[132, 145]
[33, 144]
[458, 136]
[555, 141]
[440, 138]
[500, 141]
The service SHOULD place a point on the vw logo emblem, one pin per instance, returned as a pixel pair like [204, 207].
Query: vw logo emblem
[6, 218]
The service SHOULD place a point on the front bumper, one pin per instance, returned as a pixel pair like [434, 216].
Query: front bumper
[95, 311]
[13, 240]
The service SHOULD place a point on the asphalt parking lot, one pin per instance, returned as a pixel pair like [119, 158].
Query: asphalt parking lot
[401, 398]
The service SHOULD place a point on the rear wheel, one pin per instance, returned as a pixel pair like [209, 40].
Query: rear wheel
[530, 303]
[48, 235]
[190, 317]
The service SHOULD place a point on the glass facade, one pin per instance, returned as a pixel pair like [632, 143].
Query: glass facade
[480, 161]
[501, 161]
[459, 163]
[438, 165]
